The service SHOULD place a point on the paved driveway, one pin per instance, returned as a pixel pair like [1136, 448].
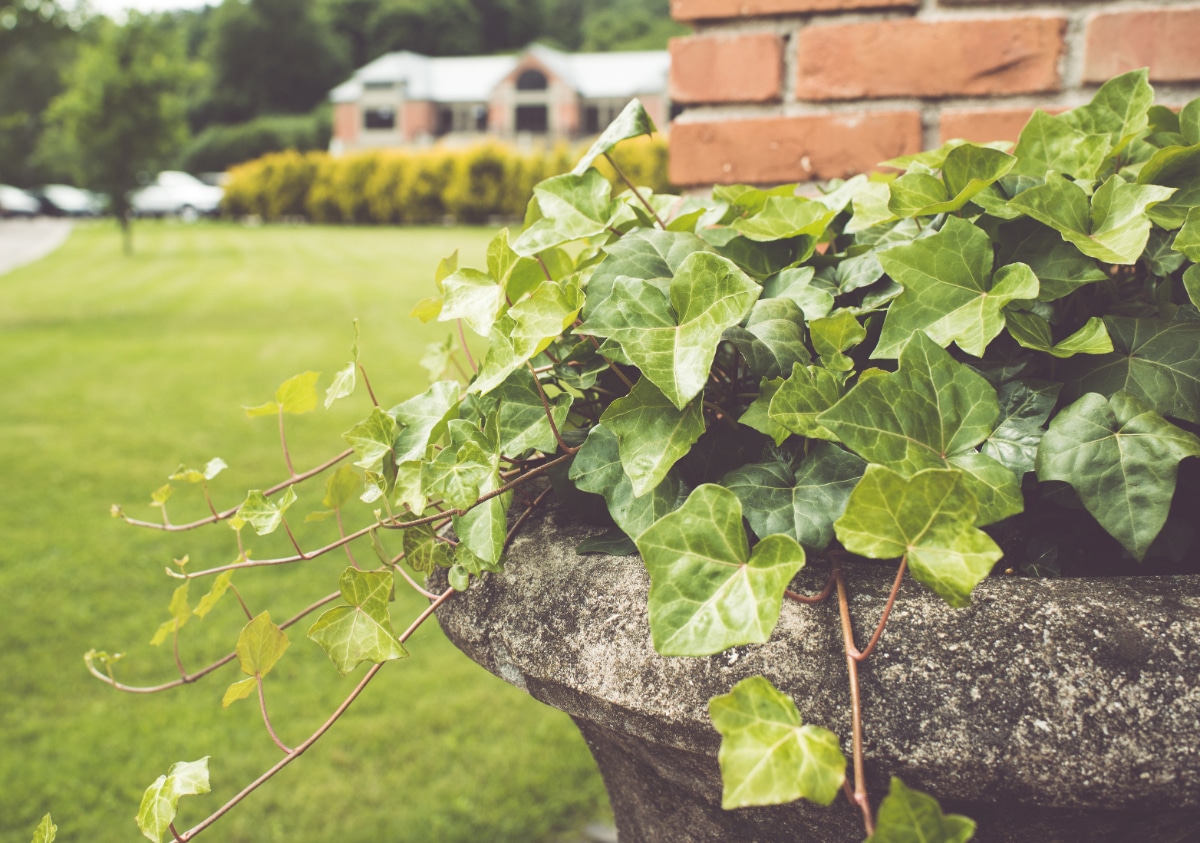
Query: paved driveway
[24, 241]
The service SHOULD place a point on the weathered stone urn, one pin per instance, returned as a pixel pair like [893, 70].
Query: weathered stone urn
[1050, 710]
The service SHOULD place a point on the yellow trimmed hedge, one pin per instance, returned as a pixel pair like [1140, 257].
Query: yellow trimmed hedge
[400, 186]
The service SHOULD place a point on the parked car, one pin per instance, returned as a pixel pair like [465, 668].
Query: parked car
[179, 194]
[15, 202]
[63, 200]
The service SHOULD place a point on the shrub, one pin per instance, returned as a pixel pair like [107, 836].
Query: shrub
[272, 187]
[218, 148]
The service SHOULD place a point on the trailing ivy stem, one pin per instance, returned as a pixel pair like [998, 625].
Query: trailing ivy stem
[229, 513]
[299, 552]
[636, 192]
[611, 365]
[860, 783]
[545, 269]
[287, 759]
[462, 339]
[200, 674]
[421, 618]
[830, 583]
[208, 498]
[175, 642]
[342, 533]
[262, 704]
[174, 832]
[549, 414]
[396, 567]
[287, 457]
[525, 515]
[887, 610]
[238, 595]
[367, 382]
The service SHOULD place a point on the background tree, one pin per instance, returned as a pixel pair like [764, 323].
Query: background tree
[629, 25]
[122, 113]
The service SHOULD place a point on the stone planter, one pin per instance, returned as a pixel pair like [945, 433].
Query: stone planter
[1050, 710]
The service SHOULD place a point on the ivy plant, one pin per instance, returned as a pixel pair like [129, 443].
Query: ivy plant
[982, 354]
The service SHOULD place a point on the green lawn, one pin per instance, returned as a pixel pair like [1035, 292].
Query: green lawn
[113, 370]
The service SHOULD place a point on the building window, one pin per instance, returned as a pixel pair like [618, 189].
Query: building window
[532, 80]
[532, 118]
[591, 120]
[462, 117]
[379, 117]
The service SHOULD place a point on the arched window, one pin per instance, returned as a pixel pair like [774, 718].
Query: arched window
[532, 80]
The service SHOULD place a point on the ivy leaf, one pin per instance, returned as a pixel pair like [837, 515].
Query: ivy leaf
[784, 217]
[773, 338]
[474, 297]
[296, 395]
[1177, 167]
[949, 291]
[362, 630]
[870, 206]
[1191, 284]
[190, 475]
[263, 514]
[343, 384]
[161, 800]
[1051, 143]
[931, 413]
[611, 543]
[1121, 457]
[1120, 110]
[857, 272]
[1033, 332]
[1156, 360]
[372, 439]
[909, 816]
[180, 611]
[437, 357]
[260, 645]
[422, 419]
[422, 551]
[768, 756]
[795, 283]
[967, 169]
[484, 530]
[674, 342]
[929, 518]
[810, 391]
[465, 469]
[758, 415]
[802, 502]
[573, 206]
[597, 468]
[708, 592]
[215, 593]
[523, 423]
[646, 253]
[1059, 266]
[652, 435]
[1113, 229]
[342, 487]
[833, 335]
[1187, 241]
[45, 832]
[526, 330]
[1024, 407]
[239, 691]
[631, 122]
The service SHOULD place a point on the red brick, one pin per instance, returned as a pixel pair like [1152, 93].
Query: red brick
[727, 68]
[1011, 55]
[774, 150]
[981, 125]
[1167, 40]
[687, 10]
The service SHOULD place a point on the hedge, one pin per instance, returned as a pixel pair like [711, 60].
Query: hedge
[218, 148]
[400, 186]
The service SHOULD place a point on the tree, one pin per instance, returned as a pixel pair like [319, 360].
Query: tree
[432, 27]
[122, 113]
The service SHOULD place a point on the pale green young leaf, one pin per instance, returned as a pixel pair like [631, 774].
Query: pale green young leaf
[45, 832]
[772, 340]
[263, 514]
[260, 645]
[674, 342]
[597, 468]
[1024, 407]
[161, 800]
[1121, 457]
[808, 392]
[1119, 109]
[652, 435]
[459, 578]
[949, 290]
[372, 439]
[631, 122]
[870, 207]
[1191, 284]
[784, 217]
[746, 199]
[296, 395]
[929, 518]
[935, 159]
[181, 613]
[501, 259]
[343, 486]
[708, 592]
[909, 816]
[918, 193]
[161, 495]
[795, 283]
[758, 416]
[1187, 241]
[474, 297]
[422, 419]
[1052, 143]
[768, 756]
[573, 207]
[438, 357]
[484, 529]
[362, 630]
[841, 193]
[970, 167]
[239, 691]
[343, 384]
[1177, 167]
[523, 423]
[215, 593]
[800, 502]
[422, 551]
[833, 335]
[1033, 332]
[191, 475]
[407, 490]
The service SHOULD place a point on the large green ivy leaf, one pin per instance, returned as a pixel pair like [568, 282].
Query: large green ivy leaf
[573, 206]
[768, 756]
[909, 816]
[646, 253]
[1187, 241]
[708, 592]
[967, 169]
[808, 392]
[597, 468]
[523, 423]
[1121, 457]
[631, 122]
[1051, 143]
[929, 518]
[674, 342]
[1024, 407]
[372, 439]
[263, 514]
[1177, 167]
[465, 469]
[1155, 359]
[361, 631]
[1119, 110]
[949, 290]
[652, 435]
[1033, 332]
[1059, 266]
[474, 297]
[260, 645]
[422, 550]
[796, 283]
[931, 413]
[295, 396]
[422, 419]
[484, 528]
[784, 217]
[1114, 228]
[801, 501]
[161, 800]
[835, 334]
[772, 339]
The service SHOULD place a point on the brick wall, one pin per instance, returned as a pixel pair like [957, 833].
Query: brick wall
[778, 91]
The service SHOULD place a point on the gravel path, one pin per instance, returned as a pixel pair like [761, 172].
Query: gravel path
[24, 241]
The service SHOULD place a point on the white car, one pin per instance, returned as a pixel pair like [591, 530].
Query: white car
[63, 200]
[15, 202]
[179, 194]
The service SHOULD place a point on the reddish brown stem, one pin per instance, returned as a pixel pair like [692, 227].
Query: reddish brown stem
[238, 595]
[342, 533]
[175, 642]
[549, 415]
[887, 610]
[367, 382]
[860, 781]
[287, 457]
[262, 704]
[299, 551]
[525, 515]
[636, 192]
[816, 598]
[462, 338]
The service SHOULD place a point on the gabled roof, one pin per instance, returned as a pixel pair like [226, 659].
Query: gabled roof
[473, 78]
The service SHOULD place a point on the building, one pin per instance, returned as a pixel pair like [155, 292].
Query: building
[409, 99]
